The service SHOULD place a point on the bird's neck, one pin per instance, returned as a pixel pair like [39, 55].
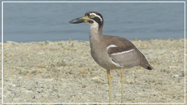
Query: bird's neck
[95, 31]
[95, 37]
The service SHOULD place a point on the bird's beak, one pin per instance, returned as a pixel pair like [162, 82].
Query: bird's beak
[79, 20]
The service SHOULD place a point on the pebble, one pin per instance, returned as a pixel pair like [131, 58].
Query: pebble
[117, 95]
[175, 76]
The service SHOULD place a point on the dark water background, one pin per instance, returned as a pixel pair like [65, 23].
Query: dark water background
[33, 22]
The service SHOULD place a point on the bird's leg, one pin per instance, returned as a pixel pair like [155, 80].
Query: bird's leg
[110, 85]
[122, 85]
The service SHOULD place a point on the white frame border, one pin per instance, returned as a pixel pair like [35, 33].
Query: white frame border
[100, 2]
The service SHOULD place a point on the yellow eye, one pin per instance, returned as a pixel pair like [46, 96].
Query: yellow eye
[91, 16]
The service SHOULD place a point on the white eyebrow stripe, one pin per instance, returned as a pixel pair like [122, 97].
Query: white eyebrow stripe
[123, 52]
[96, 16]
[112, 45]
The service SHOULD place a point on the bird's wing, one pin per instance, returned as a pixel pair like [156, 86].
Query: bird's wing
[123, 53]
[124, 57]
[114, 48]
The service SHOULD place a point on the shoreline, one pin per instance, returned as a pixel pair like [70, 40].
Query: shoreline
[135, 39]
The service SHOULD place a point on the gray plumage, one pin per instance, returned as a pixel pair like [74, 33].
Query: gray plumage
[111, 52]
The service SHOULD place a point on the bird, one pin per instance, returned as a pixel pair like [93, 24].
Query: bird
[111, 52]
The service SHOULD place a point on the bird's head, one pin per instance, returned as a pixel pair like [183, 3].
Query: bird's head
[93, 18]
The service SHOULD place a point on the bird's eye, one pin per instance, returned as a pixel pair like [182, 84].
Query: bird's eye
[91, 16]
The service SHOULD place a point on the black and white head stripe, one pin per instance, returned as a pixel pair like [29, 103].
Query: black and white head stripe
[95, 16]
[99, 16]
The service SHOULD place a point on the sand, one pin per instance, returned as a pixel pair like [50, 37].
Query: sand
[64, 72]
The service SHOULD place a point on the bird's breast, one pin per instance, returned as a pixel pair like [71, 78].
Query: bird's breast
[100, 56]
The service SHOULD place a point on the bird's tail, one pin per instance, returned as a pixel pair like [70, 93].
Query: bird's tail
[147, 66]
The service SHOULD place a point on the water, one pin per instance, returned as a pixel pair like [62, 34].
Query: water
[34, 22]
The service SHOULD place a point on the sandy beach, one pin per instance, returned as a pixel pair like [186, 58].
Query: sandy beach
[64, 72]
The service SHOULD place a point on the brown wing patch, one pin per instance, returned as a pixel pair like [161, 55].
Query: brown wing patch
[121, 43]
[118, 49]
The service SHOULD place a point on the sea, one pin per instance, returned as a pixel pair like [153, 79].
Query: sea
[49, 21]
